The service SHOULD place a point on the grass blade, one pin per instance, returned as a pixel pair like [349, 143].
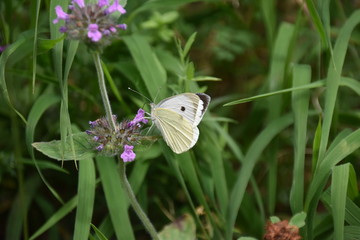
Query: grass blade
[334, 78]
[338, 198]
[152, 72]
[300, 108]
[115, 197]
[40, 106]
[251, 157]
[86, 193]
[57, 216]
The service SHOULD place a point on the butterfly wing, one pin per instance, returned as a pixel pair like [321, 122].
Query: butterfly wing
[190, 105]
[179, 134]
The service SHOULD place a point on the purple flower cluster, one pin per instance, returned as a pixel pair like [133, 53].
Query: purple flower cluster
[91, 23]
[121, 140]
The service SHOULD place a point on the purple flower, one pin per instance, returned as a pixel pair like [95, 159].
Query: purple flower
[100, 147]
[61, 15]
[2, 48]
[80, 3]
[93, 33]
[128, 155]
[139, 118]
[93, 123]
[122, 26]
[63, 29]
[102, 3]
[116, 7]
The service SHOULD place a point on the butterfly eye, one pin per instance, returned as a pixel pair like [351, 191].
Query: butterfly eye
[182, 108]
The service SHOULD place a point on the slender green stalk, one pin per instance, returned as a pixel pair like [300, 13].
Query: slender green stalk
[102, 86]
[134, 203]
[129, 192]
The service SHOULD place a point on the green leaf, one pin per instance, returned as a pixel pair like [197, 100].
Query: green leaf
[86, 193]
[298, 220]
[151, 70]
[188, 44]
[184, 228]
[300, 108]
[344, 148]
[316, 145]
[116, 199]
[44, 102]
[57, 216]
[20, 207]
[98, 233]
[17, 50]
[83, 148]
[334, 78]
[339, 187]
[316, 84]
[275, 219]
[252, 156]
[205, 78]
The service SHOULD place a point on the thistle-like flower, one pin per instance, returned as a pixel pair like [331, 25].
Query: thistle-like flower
[121, 140]
[91, 23]
[281, 230]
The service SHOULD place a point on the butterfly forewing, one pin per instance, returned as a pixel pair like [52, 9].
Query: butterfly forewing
[188, 105]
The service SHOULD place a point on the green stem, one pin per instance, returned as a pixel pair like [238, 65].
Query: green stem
[134, 203]
[102, 86]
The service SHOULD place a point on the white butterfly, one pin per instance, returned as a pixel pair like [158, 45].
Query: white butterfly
[177, 118]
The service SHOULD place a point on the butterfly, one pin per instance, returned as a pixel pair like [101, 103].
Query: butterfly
[177, 118]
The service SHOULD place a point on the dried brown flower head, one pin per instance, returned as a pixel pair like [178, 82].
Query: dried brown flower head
[281, 231]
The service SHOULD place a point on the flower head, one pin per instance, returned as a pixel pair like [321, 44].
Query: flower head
[119, 141]
[92, 23]
[128, 155]
[281, 230]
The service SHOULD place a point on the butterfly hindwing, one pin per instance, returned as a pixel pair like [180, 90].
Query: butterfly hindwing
[177, 131]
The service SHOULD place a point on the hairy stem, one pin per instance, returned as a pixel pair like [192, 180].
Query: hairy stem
[102, 86]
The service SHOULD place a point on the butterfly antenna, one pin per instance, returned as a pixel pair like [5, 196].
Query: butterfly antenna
[157, 94]
[140, 94]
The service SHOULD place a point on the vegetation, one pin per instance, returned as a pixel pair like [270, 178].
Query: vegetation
[278, 145]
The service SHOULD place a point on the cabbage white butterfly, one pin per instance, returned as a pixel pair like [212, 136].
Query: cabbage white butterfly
[177, 118]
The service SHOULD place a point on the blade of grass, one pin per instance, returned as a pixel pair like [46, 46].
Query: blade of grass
[250, 159]
[152, 72]
[268, 10]
[115, 197]
[86, 193]
[43, 103]
[172, 161]
[300, 108]
[37, 13]
[20, 206]
[316, 84]
[56, 217]
[17, 50]
[345, 147]
[352, 211]
[339, 186]
[279, 60]
[334, 78]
